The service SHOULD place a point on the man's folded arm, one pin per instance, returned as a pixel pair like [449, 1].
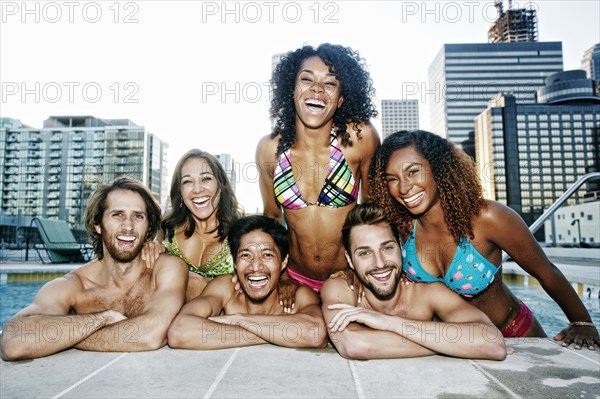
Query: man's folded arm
[45, 327]
[192, 328]
[147, 331]
[357, 341]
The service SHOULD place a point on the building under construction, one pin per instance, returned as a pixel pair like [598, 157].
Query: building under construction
[513, 25]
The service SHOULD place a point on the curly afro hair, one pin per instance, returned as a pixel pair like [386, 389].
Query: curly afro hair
[356, 84]
[458, 185]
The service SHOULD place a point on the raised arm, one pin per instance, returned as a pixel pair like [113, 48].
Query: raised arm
[303, 329]
[357, 341]
[45, 327]
[192, 328]
[148, 331]
[266, 163]
[505, 228]
[367, 144]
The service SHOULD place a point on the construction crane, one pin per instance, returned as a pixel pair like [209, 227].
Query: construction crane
[498, 5]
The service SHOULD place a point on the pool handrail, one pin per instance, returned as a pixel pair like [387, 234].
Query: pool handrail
[550, 211]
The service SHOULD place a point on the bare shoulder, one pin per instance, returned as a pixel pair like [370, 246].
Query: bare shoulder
[366, 132]
[336, 290]
[71, 282]
[169, 265]
[220, 286]
[306, 296]
[492, 210]
[364, 141]
[495, 218]
[266, 151]
[56, 296]
[223, 290]
[435, 292]
[166, 260]
[267, 144]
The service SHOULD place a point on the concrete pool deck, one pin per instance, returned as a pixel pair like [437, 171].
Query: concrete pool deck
[537, 368]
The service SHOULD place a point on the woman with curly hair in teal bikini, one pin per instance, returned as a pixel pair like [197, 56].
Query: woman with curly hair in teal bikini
[430, 190]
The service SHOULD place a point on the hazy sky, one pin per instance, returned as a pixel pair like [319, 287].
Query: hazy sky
[196, 73]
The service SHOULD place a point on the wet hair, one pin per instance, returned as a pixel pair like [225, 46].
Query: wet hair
[262, 223]
[228, 210]
[458, 185]
[356, 88]
[369, 214]
[96, 206]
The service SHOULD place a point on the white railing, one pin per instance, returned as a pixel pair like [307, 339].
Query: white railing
[574, 187]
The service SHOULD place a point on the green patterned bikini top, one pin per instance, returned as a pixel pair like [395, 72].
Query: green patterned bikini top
[220, 263]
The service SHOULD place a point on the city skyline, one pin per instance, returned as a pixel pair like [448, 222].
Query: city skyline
[201, 78]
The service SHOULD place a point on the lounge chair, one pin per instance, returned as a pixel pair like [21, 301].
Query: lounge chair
[59, 242]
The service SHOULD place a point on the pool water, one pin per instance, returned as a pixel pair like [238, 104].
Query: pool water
[15, 296]
[548, 313]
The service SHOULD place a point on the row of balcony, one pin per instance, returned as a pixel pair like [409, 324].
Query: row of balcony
[31, 138]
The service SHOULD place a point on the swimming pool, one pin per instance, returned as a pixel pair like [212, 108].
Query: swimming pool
[15, 295]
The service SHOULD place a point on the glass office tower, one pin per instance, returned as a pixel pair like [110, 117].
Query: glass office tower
[529, 154]
[467, 76]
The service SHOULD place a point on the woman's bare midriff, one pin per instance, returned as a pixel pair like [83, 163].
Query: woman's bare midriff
[502, 307]
[316, 249]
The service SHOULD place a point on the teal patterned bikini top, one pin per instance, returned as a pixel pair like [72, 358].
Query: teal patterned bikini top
[220, 263]
[469, 273]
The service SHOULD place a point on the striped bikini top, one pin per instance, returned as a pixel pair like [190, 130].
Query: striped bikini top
[340, 188]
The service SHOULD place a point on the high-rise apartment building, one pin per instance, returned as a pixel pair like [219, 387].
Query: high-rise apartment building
[226, 161]
[590, 62]
[50, 172]
[467, 76]
[529, 154]
[399, 115]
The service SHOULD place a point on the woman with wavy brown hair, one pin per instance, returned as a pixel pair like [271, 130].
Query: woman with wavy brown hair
[430, 190]
[202, 208]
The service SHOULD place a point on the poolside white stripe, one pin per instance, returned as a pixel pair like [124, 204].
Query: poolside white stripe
[221, 374]
[357, 385]
[573, 351]
[90, 376]
[491, 377]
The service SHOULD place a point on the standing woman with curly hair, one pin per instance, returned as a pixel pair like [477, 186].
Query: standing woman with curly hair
[203, 206]
[430, 189]
[315, 162]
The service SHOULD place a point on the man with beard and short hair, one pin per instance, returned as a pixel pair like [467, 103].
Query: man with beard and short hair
[113, 303]
[393, 320]
[222, 317]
